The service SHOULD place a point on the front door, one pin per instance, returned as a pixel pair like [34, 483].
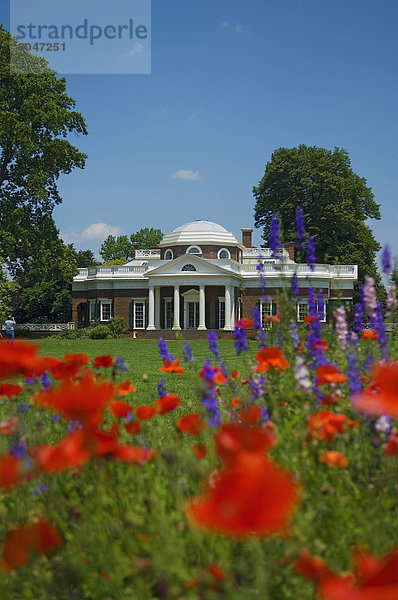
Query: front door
[192, 315]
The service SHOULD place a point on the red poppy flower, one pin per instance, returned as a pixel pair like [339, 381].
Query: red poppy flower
[369, 334]
[133, 427]
[172, 367]
[70, 452]
[124, 388]
[10, 390]
[71, 367]
[233, 439]
[392, 444]
[312, 567]
[253, 499]
[250, 415]
[325, 425]
[134, 454]
[42, 538]
[192, 423]
[273, 319]
[81, 401]
[145, 412]
[20, 357]
[333, 459]
[120, 409]
[103, 361]
[381, 396]
[213, 375]
[10, 471]
[9, 425]
[234, 375]
[309, 319]
[373, 578]
[199, 450]
[167, 403]
[271, 357]
[216, 571]
[329, 374]
[321, 344]
[244, 323]
[236, 403]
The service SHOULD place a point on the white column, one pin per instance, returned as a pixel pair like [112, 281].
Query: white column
[232, 307]
[157, 307]
[202, 308]
[176, 325]
[227, 326]
[151, 309]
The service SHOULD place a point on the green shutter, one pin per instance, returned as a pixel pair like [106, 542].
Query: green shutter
[182, 306]
[274, 307]
[113, 308]
[207, 315]
[131, 308]
[217, 319]
[146, 313]
[97, 310]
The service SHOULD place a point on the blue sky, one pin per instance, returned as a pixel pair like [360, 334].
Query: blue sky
[232, 80]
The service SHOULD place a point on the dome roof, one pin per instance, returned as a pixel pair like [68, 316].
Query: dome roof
[200, 233]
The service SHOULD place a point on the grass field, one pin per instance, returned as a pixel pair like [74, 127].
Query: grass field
[125, 531]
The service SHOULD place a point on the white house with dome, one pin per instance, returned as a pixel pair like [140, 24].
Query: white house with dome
[201, 277]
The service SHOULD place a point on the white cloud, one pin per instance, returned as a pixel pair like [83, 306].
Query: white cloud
[95, 231]
[239, 29]
[186, 174]
[236, 28]
[224, 24]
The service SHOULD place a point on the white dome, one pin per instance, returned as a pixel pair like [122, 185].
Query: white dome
[200, 233]
[200, 226]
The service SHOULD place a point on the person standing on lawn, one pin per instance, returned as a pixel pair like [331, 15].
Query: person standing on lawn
[10, 324]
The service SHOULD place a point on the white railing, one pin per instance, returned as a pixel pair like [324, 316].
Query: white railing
[264, 252]
[98, 271]
[154, 252]
[349, 271]
[43, 326]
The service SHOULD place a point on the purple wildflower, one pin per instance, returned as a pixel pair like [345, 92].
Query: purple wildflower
[164, 351]
[55, 418]
[358, 317]
[295, 287]
[300, 229]
[240, 342]
[341, 327]
[368, 363]
[379, 326]
[18, 449]
[302, 376]
[119, 364]
[213, 345]
[162, 388]
[369, 296]
[39, 489]
[209, 401]
[294, 335]
[188, 356]
[274, 236]
[23, 407]
[258, 327]
[391, 301]
[260, 271]
[383, 425]
[352, 372]
[386, 260]
[265, 414]
[311, 252]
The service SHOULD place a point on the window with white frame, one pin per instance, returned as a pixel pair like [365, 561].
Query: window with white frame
[168, 255]
[139, 314]
[265, 311]
[188, 268]
[91, 310]
[194, 250]
[168, 313]
[302, 310]
[106, 310]
[224, 253]
[221, 313]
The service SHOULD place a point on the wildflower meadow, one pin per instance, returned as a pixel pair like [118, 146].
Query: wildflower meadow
[260, 467]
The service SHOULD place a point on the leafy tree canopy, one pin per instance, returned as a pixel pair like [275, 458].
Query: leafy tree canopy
[36, 118]
[115, 250]
[336, 204]
[84, 258]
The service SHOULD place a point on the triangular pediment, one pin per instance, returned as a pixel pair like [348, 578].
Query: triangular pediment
[182, 264]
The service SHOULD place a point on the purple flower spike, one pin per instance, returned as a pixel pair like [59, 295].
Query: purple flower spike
[213, 345]
[386, 260]
[164, 351]
[300, 229]
[274, 236]
[240, 342]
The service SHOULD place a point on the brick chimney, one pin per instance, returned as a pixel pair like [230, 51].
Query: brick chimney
[247, 237]
[289, 246]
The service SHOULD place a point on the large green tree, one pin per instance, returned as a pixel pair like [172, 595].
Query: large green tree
[36, 119]
[336, 203]
[146, 238]
[114, 250]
